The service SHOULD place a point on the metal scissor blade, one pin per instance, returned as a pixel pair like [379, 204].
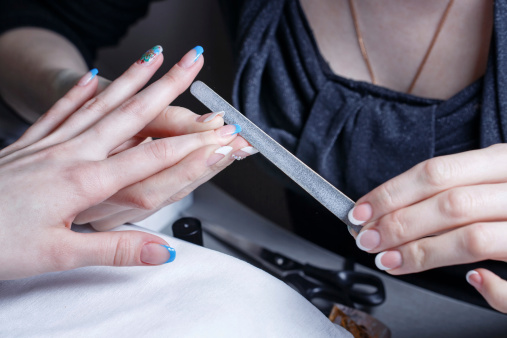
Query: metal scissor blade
[253, 251]
[237, 242]
[323, 191]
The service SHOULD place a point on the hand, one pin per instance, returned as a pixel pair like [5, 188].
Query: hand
[445, 211]
[63, 165]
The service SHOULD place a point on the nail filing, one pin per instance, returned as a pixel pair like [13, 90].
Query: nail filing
[323, 191]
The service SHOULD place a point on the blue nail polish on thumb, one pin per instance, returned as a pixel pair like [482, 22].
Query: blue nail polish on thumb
[172, 252]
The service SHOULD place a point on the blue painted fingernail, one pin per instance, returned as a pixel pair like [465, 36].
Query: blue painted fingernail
[237, 130]
[172, 252]
[94, 72]
[198, 51]
[88, 77]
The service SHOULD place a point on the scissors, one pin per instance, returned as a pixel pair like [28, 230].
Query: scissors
[346, 287]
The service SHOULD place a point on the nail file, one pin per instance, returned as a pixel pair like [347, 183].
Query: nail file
[323, 191]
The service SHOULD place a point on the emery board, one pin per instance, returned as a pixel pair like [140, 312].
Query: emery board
[323, 191]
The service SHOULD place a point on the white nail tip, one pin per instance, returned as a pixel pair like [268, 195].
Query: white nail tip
[470, 273]
[212, 116]
[378, 263]
[353, 220]
[358, 240]
[249, 150]
[223, 150]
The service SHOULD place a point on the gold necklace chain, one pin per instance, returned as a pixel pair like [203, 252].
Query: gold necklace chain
[364, 53]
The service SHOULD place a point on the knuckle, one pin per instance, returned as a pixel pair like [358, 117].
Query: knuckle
[144, 198]
[160, 150]
[97, 105]
[417, 256]
[457, 204]
[396, 227]
[438, 171]
[85, 180]
[124, 252]
[477, 240]
[386, 195]
[132, 107]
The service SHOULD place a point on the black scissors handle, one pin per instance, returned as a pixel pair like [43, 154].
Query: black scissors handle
[363, 288]
[315, 290]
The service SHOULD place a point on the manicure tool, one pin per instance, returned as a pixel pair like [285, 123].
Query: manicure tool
[323, 191]
[346, 287]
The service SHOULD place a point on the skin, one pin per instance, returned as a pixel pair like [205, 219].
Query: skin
[63, 166]
[461, 192]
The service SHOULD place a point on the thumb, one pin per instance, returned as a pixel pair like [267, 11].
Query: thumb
[117, 248]
[491, 287]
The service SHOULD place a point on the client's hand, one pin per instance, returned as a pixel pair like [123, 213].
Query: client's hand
[81, 153]
[445, 211]
[141, 200]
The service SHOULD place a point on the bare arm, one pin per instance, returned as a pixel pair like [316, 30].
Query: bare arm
[37, 67]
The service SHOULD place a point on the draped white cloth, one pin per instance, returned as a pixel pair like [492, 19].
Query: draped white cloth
[203, 293]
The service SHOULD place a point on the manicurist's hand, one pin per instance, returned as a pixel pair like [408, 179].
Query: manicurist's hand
[445, 211]
[84, 152]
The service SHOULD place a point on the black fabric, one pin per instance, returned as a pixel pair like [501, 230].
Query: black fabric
[89, 25]
[355, 134]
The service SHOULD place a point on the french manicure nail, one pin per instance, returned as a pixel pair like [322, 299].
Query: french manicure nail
[210, 116]
[360, 214]
[153, 253]
[228, 130]
[388, 260]
[474, 279]
[368, 240]
[219, 154]
[88, 77]
[244, 152]
[150, 55]
[191, 57]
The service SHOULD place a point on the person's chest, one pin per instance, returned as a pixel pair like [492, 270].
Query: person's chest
[396, 36]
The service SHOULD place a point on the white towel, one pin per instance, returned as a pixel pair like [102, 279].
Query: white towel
[203, 293]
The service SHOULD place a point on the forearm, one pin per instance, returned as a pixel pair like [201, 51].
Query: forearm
[34, 66]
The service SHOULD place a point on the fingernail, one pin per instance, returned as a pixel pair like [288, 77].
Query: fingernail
[474, 279]
[360, 213]
[150, 55]
[244, 153]
[153, 253]
[368, 240]
[218, 155]
[88, 77]
[228, 130]
[191, 57]
[388, 260]
[210, 116]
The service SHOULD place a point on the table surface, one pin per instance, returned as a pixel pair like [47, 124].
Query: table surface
[409, 311]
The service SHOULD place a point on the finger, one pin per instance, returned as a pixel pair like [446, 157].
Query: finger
[175, 121]
[442, 212]
[169, 186]
[120, 90]
[70, 250]
[60, 111]
[137, 164]
[134, 114]
[431, 177]
[130, 143]
[491, 287]
[467, 244]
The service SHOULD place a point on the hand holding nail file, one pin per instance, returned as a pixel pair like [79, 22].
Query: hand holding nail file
[323, 191]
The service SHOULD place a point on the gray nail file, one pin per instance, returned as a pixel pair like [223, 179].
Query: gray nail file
[323, 191]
